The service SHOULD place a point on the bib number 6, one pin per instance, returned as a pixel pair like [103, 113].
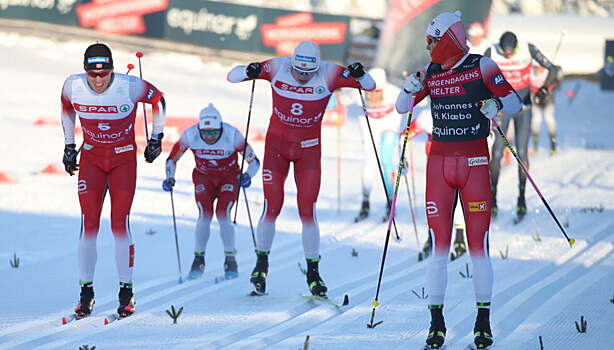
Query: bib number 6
[297, 109]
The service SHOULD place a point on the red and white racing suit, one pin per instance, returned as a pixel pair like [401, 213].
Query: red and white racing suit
[293, 136]
[108, 159]
[457, 164]
[215, 176]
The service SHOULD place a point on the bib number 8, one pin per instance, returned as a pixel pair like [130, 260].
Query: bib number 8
[297, 109]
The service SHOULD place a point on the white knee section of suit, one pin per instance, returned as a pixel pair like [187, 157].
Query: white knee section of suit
[88, 255]
[265, 232]
[482, 278]
[202, 231]
[437, 277]
[122, 258]
[227, 231]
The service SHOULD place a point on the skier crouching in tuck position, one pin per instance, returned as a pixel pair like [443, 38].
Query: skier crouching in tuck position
[215, 145]
[106, 103]
[301, 85]
[466, 91]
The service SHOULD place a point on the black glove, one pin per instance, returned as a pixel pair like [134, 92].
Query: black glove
[70, 159]
[541, 95]
[154, 148]
[253, 70]
[356, 70]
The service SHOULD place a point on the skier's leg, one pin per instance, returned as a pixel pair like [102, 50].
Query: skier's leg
[495, 162]
[536, 123]
[204, 195]
[369, 170]
[122, 184]
[551, 123]
[227, 194]
[307, 175]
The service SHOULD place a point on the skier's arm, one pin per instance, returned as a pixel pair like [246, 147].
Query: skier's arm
[67, 114]
[249, 155]
[177, 152]
[553, 70]
[267, 70]
[492, 77]
[340, 77]
[142, 91]
[404, 98]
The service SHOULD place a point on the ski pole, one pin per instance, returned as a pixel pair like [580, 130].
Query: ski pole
[249, 117]
[379, 165]
[558, 46]
[375, 302]
[412, 211]
[176, 239]
[249, 216]
[139, 54]
[571, 241]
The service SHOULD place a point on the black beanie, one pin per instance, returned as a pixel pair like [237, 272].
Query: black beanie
[508, 41]
[97, 56]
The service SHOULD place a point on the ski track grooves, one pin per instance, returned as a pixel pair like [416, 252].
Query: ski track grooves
[149, 294]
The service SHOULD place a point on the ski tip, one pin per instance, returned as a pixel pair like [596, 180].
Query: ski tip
[180, 280]
[106, 321]
[346, 300]
[64, 320]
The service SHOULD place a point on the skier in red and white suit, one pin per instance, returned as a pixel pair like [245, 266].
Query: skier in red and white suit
[301, 86]
[106, 103]
[466, 90]
[215, 146]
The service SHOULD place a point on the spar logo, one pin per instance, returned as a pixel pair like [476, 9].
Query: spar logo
[118, 16]
[298, 89]
[95, 109]
[288, 30]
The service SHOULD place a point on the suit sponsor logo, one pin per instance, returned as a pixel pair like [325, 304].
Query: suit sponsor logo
[476, 207]
[124, 108]
[476, 161]
[431, 209]
[150, 93]
[297, 89]
[209, 152]
[95, 109]
[124, 149]
[310, 143]
[82, 186]
[227, 188]
[267, 176]
[200, 188]
[498, 79]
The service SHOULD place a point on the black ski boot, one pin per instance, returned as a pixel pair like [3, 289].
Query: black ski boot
[230, 267]
[364, 211]
[314, 281]
[481, 331]
[437, 331]
[198, 266]
[521, 210]
[86, 301]
[552, 145]
[459, 244]
[126, 300]
[258, 278]
[495, 208]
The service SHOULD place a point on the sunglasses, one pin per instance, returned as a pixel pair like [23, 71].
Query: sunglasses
[304, 72]
[210, 132]
[431, 39]
[102, 74]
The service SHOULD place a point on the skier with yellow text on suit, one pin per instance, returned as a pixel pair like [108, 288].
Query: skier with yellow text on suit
[466, 91]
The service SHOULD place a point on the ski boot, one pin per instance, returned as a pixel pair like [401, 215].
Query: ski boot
[126, 300]
[230, 267]
[86, 301]
[198, 266]
[552, 145]
[481, 331]
[317, 287]
[258, 278]
[437, 331]
[521, 210]
[495, 209]
[426, 249]
[459, 243]
[364, 211]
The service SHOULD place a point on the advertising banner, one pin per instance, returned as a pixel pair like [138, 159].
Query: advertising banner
[52, 11]
[607, 77]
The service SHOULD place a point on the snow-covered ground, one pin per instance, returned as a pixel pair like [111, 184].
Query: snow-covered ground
[540, 289]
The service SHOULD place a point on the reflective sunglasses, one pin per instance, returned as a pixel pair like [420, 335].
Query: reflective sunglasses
[102, 74]
[210, 132]
[431, 39]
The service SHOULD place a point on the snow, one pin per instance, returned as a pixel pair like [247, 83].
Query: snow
[540, 289]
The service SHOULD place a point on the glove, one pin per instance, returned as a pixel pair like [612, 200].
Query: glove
[356, 70]
[413, 84]
[168, 184]
[490, 107]
[541, 95]
[154, 147]
[70, 159]
[245, 180]
[253, 70]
